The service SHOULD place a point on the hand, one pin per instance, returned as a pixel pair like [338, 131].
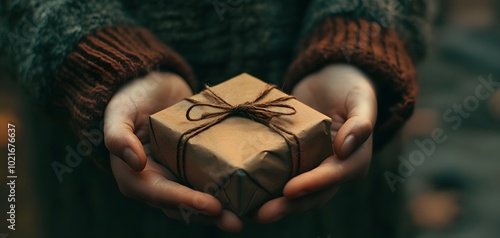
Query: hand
[345, 94]
[126, 135]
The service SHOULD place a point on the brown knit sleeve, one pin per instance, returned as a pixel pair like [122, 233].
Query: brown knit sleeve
[377, 51]
[100, 64]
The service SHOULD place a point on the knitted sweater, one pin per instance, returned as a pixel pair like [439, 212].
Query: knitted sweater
[73, 55]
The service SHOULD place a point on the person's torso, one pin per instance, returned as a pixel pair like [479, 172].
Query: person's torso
[223, 38]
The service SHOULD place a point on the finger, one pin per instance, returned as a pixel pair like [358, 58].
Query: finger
[330, 172]
[119, 134]
[229, 222]
[278, 208]
[152, 187]
[361, 114]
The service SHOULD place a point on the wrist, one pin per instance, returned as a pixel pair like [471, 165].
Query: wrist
[165, 85]
[341, 71]
[339, 78]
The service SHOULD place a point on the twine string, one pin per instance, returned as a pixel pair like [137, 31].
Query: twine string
[255, 110]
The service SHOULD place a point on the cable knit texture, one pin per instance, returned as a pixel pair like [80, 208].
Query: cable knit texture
[76, 54]
[377, 51]
[39, 34]
[101, 63]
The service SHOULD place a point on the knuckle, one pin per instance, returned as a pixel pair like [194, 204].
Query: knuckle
[366, 124]
[159, 197]
[154, 196]
[109, 140]
[338, 176]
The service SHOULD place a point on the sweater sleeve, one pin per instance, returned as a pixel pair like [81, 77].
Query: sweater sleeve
[102, 62]
[73, 55]
[383, 40]
[40, 33]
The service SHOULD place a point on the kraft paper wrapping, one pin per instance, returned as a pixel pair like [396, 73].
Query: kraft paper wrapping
[241, 162]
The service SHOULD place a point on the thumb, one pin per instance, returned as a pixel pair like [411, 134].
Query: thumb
[361, 108]
[119, 135]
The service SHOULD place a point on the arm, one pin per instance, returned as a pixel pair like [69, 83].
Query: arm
[383, 40]
[40, 34]
[72, 56]
[89, 63]
[358, 68]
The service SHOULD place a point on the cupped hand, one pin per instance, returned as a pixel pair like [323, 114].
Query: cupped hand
[345, 94]
[126, 135]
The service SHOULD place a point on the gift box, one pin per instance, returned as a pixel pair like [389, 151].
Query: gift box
[240, 141]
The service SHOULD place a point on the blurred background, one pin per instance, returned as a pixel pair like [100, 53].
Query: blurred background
[453, 191]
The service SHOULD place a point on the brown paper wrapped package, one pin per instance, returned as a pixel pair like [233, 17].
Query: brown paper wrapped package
[242, 162]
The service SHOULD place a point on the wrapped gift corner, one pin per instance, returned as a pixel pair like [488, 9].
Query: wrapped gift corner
[241, 161]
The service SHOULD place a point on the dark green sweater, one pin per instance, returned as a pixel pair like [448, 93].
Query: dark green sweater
[51, 44]
[73, 55]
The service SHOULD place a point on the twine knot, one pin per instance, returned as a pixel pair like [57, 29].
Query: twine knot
[258, 111]
[255, 110]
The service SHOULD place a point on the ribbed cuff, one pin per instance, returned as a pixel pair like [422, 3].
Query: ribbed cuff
[101, 63]
[377, 51]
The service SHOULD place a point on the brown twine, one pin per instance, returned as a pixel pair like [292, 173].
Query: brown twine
[261, 112]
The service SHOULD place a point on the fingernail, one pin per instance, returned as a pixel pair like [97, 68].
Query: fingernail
[348, 146]
[131, 158]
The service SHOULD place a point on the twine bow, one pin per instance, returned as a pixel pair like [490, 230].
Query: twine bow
[255, 110]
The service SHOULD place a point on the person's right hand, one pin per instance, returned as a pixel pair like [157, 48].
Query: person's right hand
[126, 135]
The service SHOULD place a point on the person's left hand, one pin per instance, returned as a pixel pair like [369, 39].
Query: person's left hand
[346, 95]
